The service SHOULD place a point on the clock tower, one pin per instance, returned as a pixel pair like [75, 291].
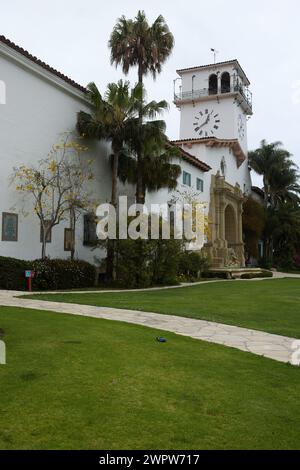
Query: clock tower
[215, 103]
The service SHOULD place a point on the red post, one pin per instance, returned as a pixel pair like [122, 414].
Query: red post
[29, 284]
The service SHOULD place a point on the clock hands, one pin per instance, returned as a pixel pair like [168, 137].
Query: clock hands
[209, 117]
[205, 122]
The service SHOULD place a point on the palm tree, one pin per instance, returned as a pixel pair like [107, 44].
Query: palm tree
[282, 231]
[112, 119]
[135, 43]
[116, 118]
[158, 170]
[281, 190]
[283, 184]
[278, 170]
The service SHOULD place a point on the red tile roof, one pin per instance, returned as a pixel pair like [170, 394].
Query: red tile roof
[42, 64]
[215, 142]
[191, 158]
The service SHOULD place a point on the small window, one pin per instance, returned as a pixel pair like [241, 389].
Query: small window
[200, 185]
[187, 178]
[9, 227]
[89, 230]
[69, 239]
[49, 234]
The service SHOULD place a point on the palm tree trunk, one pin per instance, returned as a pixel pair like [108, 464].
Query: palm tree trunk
[140, 197]
[140, 193]
[266, 192]
[114, 185]
[110, 260]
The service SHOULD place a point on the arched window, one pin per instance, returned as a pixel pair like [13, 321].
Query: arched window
[225, 82]
[213, 85]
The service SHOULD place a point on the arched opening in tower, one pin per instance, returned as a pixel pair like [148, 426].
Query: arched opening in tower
[213, 85]
[225, 83]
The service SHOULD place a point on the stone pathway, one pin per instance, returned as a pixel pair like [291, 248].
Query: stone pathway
[279, 348]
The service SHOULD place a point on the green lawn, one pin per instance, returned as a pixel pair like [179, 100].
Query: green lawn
[268, 305]
[83, 383]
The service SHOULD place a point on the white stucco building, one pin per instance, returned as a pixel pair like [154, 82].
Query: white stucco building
[215, 103]
[38, 104]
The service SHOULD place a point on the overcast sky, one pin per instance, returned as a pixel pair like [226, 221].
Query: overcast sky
[72, 36]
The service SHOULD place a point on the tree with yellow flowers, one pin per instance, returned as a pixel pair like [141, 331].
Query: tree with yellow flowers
[57, 186]
[195, 218]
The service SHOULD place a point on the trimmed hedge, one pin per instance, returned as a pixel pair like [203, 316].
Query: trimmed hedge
[226, 275]
[12, 273]
[50, 274]
[215, 275]
[262, 275]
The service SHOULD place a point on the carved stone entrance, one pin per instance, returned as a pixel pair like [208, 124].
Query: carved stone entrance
[225, 246]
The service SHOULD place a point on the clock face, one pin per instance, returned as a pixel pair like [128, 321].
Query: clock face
[206, 123]
[241, 127]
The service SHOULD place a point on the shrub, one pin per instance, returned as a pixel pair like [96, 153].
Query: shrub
[165, 256]
[216, 275]
[62, 274]
[12, 273]
[297, 261]
[266, 264]
[284, 260]
[132, 267]
[264, 274]
[145, 263]
[49, 274]
[192, 265]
